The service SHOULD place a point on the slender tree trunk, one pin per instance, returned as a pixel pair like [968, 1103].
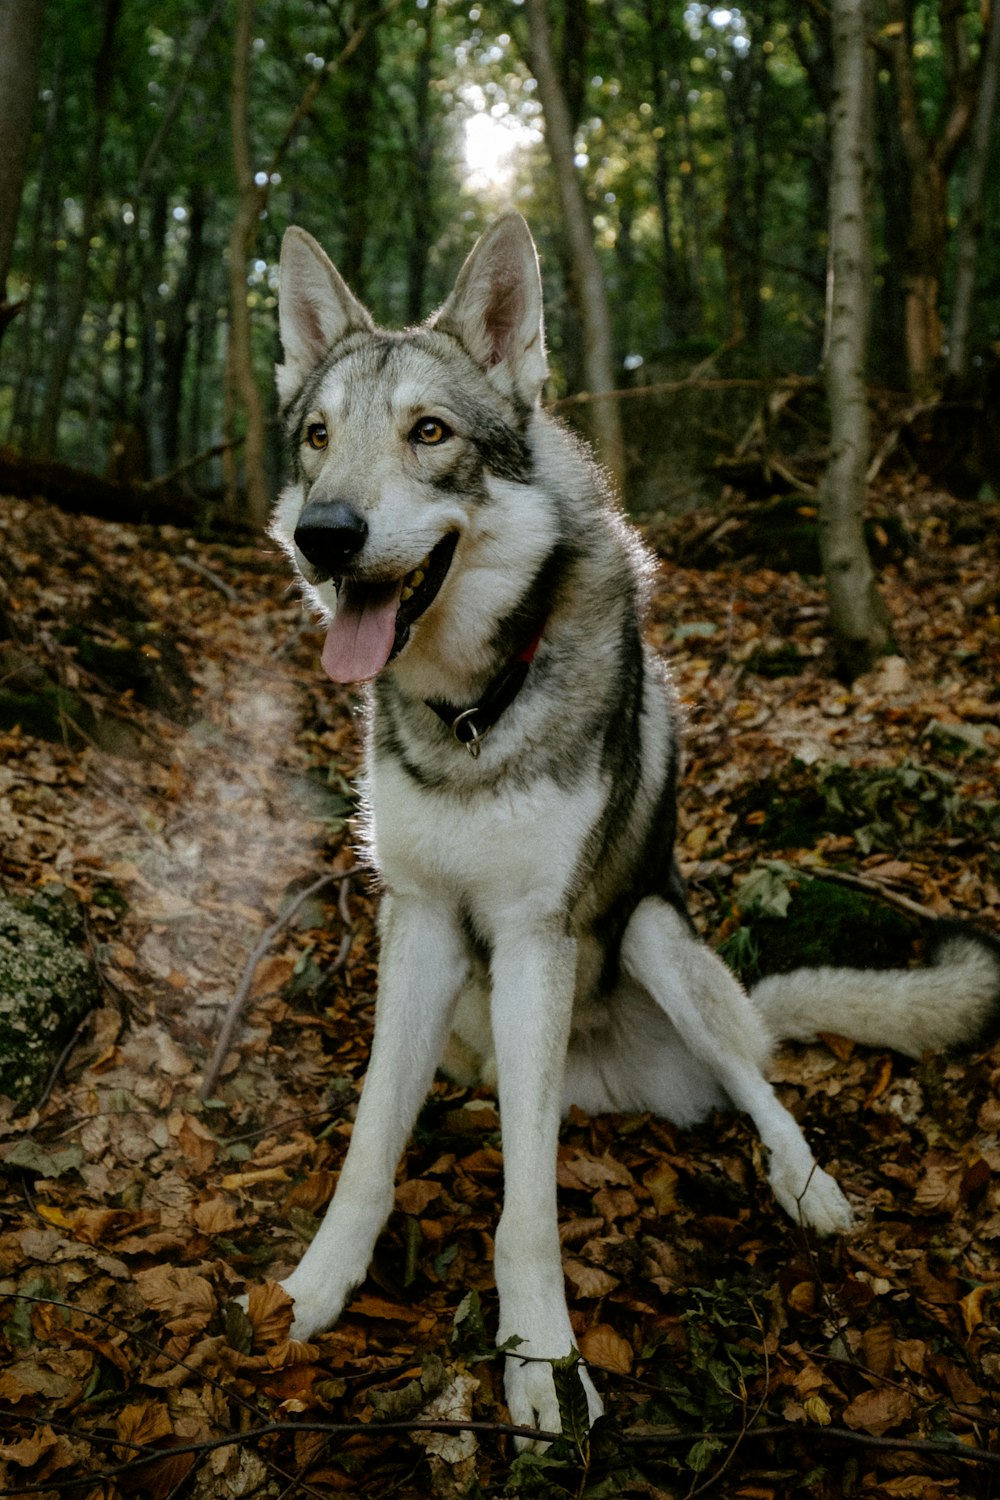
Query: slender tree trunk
[148, 418]
[970, 224]
[178, 326]
[930, 156]
[241, 381]
[41, 255]
[673, 299]
[76, 294]
[889, 363]
[858, 616]
[422, 158]
[599, 359]
[358, 102]
[20, 49]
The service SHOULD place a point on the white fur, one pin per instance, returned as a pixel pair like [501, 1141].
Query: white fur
[916, 1011]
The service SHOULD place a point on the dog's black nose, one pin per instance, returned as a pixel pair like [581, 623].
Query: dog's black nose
[330, 535]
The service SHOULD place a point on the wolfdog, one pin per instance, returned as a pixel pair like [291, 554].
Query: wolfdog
[520, 789]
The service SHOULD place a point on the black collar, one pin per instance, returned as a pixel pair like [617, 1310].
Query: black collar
[470, 726]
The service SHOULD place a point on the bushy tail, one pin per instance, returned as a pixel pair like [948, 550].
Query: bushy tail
[954, 1002]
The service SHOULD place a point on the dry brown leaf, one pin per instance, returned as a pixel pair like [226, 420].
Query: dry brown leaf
[601, 1345]
[972, 1306]
[270, 1311]
[272, 974]
[879, 1410]
[412, 1197]
[313, 1193]
[176, 1291]
[30, 1450]
[589, 1281]
[196, 1142]
[141, 1423]
[661, 1183]
[802, 1297]
[367, 1306]
[939, 1189]
[615, 1203]
[234, 1180]
[878, 1348]
[215, 1216]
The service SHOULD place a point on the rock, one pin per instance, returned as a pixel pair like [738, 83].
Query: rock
[47, 986]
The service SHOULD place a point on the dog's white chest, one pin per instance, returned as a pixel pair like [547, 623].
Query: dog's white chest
[492, 853]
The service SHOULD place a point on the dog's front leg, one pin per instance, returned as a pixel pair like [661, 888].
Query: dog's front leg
[533, 976]
[423, 963]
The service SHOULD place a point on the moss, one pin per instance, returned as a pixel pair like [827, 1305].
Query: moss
[825, 924]
[47, 985]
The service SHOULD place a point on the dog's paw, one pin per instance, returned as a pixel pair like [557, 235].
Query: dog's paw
[532, 1401]
[314, 1309]
[817, 1203]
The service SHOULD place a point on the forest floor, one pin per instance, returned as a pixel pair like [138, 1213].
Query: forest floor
[737, 1355]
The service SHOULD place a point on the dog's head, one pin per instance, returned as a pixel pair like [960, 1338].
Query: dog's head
[400, 440]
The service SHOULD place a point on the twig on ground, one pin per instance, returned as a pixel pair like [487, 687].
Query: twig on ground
[60, 1062]
[874, 888]
[194, 566]
[235, 1007]
[931, 1447]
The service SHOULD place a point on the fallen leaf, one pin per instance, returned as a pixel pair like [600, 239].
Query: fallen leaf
[876, 1411]
[603, 1346]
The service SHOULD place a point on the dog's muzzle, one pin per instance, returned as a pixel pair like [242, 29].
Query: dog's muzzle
[330, 534]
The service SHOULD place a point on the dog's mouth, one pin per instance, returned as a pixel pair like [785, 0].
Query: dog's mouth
[373, 620]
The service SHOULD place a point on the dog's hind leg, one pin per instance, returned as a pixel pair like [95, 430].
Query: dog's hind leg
[533, 972]
[422, 968]
[718, 1023]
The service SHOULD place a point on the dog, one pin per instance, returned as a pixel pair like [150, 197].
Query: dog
[522, 747]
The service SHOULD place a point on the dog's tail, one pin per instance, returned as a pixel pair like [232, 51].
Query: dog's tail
[953, 1002]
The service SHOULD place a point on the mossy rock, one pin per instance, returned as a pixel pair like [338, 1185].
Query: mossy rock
[47, 986]
[824, 924]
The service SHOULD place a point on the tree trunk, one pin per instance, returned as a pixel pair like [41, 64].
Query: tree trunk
[75, 299]
[422, 159]
[41, 257]
[241, 381]
[178, 327]
[971, 222]
[599, 359]
[673, 289]
[930, 156]
[858, 617]
[20, 50]
[357, 97]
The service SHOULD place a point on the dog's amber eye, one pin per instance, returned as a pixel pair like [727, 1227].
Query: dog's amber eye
[430, 430]
[317, 436]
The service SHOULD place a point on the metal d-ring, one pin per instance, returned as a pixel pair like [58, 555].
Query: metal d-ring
[475, 736]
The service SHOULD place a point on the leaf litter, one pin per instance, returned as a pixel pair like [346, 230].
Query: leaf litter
[135, 1213]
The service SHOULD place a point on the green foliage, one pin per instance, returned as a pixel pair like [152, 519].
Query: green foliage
[888, 808]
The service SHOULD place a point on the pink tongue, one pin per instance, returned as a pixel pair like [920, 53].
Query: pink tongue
[359, 641]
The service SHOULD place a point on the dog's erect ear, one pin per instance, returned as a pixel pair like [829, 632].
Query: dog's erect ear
[495, 309]
[315, 309]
